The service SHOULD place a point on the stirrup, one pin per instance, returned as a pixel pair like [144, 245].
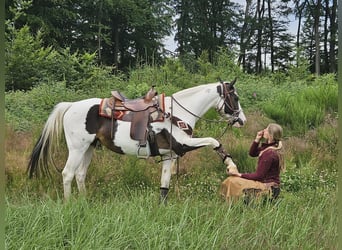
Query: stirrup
[147, 150]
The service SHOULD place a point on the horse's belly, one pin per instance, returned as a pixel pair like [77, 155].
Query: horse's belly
[123, 140]
[129, 146]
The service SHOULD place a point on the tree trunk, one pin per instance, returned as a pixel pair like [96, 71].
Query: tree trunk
[317, 40]
[271, 34]
[99, 33]
[333, 36]
[299, 8]
[116, 44]
[260, 10]
[326, 62]
[244, 34]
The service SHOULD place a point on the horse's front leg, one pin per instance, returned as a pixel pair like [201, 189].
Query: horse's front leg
[168, 161]
[209, 141]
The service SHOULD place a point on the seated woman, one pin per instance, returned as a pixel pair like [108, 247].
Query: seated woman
[266, 178]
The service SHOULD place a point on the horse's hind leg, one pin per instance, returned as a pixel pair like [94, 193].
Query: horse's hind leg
[74, 161]
[81, 171]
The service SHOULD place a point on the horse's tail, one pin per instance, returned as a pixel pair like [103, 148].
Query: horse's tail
[41, 155]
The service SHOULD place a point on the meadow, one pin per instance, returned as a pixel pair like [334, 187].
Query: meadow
[121, 209]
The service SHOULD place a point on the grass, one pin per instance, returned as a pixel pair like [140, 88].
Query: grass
[136, 221]
[117, 217]
[121, 210]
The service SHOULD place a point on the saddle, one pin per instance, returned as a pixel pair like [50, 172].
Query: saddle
[140, 112]
[139, 104]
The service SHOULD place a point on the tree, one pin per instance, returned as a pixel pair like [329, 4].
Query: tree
[319, 37]
[122, 31]
[316, 10]
[205, 26]
[246, 34]
[333, 37]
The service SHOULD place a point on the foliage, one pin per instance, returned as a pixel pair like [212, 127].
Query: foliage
[123, 34]
[304, 110]
[28, 64]
[119, 32]
[26, 61]
[307, 178]
[198, 33]
[22, 112]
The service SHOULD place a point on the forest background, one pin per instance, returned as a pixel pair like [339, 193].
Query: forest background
[67, 51]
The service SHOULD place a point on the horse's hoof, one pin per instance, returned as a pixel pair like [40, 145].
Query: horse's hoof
[163, 195]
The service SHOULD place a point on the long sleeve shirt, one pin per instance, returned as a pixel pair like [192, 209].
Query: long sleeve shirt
[268, 169]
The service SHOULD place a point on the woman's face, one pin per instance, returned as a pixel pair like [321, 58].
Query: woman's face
[266, 135]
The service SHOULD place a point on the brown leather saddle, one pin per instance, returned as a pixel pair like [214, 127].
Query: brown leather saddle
[137, 111]
[139, 104]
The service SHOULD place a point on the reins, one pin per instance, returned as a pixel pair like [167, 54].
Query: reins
[204, 119]
[200, 118]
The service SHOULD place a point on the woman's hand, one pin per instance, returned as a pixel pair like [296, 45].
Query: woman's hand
[259, 135]
[232, 171]
[234, 174]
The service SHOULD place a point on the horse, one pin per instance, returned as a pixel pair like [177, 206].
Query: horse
[169, 137]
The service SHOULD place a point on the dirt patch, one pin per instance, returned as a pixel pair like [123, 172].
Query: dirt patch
[18, 146]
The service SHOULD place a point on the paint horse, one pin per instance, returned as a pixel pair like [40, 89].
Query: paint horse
[154, 125]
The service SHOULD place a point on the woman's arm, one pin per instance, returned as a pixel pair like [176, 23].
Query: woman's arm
[264, 165]
[254, 149]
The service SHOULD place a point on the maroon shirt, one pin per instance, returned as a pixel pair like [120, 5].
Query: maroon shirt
[268, 169]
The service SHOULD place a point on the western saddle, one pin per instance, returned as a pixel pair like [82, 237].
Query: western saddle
[139, 104]
[141, 109]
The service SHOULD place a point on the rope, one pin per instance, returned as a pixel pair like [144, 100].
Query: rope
[200, 118]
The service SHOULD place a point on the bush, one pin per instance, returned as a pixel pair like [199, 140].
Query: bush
[29, 64]
[308, 178]
[26, 61]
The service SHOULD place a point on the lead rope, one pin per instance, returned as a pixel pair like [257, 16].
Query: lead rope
[201, 118]
[177, 174]
[177, 159]
[112, 125]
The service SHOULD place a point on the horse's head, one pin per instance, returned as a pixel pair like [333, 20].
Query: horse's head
[229, 105]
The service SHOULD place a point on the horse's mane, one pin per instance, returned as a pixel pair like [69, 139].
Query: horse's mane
[195, 89]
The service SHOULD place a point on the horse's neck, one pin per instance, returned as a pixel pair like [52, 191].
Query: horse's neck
[195, 101]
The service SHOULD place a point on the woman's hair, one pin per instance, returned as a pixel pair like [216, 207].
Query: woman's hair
[276, 131]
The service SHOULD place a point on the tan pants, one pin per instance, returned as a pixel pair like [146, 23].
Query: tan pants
[233, 188]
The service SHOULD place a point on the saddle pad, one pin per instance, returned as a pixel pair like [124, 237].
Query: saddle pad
[105, 109]
[106, 105]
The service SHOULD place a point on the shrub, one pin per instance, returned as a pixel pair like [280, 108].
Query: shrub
[26, 61]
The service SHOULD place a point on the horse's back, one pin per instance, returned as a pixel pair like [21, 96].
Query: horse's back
[77, 116]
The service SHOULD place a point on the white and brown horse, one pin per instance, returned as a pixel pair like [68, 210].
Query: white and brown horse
[169, 137]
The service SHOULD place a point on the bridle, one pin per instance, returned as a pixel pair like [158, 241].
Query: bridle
[228, 103]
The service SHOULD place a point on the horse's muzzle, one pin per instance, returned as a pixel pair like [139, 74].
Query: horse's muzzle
[237, 122]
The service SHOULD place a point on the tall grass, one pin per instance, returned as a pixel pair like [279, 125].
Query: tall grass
[136, 221]
[303, 110]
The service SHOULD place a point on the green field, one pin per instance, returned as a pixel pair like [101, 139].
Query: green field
[136, 221]
[121, 209]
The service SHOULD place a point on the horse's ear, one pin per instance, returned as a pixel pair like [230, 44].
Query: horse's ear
[234, 81]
